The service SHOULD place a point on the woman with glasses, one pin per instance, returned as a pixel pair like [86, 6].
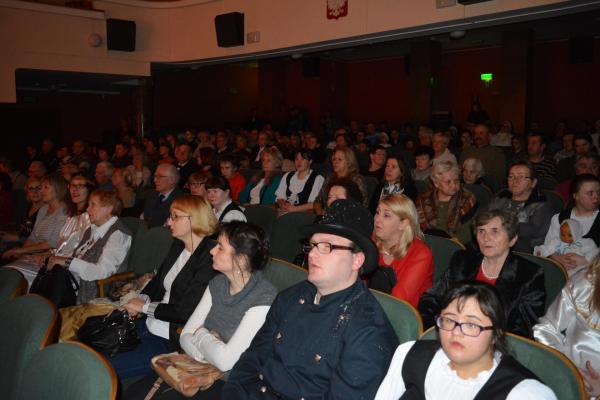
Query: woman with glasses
[172, 295]
[527, 203]
[519, 282]
[468, 360]
[197, 183]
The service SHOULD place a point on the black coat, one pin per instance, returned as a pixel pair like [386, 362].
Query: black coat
[156, 212]
[520, 284]
[187, 289]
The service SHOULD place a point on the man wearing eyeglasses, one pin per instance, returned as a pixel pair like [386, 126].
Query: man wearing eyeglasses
[328, 335]
[157, 207]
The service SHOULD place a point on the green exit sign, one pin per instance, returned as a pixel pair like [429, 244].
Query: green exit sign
[487, 77]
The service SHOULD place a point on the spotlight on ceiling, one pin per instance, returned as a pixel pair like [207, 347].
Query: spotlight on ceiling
[456, 35]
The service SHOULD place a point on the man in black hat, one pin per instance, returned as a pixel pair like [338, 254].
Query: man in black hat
[328, 336]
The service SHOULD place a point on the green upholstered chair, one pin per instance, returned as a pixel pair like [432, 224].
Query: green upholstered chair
[283, 274]
[263, 216]
[29, 323]
[149, 249]
[68, 371]
[405, 319]
[12, 284]
[555, 275]
[442, 249]
[551, 366]
[135, 225]
[286, 239]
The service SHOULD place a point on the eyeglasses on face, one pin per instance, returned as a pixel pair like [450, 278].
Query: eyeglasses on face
[175, 217]
[467, 328]
[324, 247]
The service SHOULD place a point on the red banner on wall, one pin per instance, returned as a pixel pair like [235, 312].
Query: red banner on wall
[337, 9]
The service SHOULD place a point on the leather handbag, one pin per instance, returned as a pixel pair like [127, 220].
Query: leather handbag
[110, 334]
[183, 374]
[57, 285]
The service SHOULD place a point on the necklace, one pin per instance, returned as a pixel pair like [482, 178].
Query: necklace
[485, 272]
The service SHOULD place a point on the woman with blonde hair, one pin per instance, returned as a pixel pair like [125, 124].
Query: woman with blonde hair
[172, 295]
[405, 261]
[571, 324]
[262, 186]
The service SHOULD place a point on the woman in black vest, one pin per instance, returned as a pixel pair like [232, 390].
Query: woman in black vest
[170, 298]
[297, 190]
[468, 361]
[218, 194]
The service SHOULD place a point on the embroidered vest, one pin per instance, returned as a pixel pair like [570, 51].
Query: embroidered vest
[230, 207]
[305, 193]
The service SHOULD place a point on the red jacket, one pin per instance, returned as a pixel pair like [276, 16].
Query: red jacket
[236, 184]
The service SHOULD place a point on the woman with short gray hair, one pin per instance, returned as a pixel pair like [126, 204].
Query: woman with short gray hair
[473, 171]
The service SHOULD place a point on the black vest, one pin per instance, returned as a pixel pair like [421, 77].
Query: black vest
[507, 375]
[593, 233]
[230, 207]
[305, 193]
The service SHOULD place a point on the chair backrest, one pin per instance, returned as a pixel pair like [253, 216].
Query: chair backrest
[12, 284]
[149, 249]
[555, 276]
[405, 319]
[135, 225]
[551, 366]
[442, 249]
[29, 323]
[68, 371]
[556, 201]
[481, 193]
[286, 239]
[263, 216]
[283, 274]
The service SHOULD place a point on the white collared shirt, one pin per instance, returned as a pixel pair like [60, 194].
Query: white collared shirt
[233, 215]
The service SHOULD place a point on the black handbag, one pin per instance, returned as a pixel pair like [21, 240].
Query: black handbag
[110, 334]
[57, 285]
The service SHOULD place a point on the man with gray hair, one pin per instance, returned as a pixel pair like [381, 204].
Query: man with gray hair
[103, 175]
[158, 205]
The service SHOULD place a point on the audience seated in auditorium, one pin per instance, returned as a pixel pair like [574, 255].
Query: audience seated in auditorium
[492, 157]
[122, 181]
[158, 204]
[229, 166]
[473, 172]
[218, 195]
[17, 179]
[36, 169]
[104, 170]
[567, 150]
[311, 143]
[298, 189]
[519, 282]
[446, 209]
[423, 160]
[527, 203]
[405, 262]
[185, 164]
[140, 173]
[231, 311]
[588, 163]
[544, 166]
[121, 157]
[166, 154]
[396, 179]
[80, 156]
[439, 144]
[172, 295]
[503, 138]
[377, 158]
[471, 362]
[262, 186]
[582, 142]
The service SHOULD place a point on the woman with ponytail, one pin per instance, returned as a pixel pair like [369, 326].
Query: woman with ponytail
[572, 324]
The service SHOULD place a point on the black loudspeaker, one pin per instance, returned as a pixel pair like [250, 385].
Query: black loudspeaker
[120, 34]
[581, 50]
[311, 67]
[230, 29]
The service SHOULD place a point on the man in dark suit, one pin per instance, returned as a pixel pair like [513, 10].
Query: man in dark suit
[158, 205]
[185, 164]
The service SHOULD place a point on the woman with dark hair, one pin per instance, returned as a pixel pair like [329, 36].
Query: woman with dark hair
[342, 188]
[468, 360]
[262, 186]
[396, 179]
[219, 197]
[231, 311]
[586, 196]
[72, 231]
[171, 296]
[298, 190]
[519, 282]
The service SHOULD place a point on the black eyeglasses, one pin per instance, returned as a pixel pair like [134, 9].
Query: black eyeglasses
[467, 328]
[324, 247]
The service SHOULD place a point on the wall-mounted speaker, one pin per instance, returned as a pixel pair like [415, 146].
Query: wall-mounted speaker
[120, 34]
[230, 29]
[581, 50]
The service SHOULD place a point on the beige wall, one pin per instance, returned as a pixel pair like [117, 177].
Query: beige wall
[55, 38]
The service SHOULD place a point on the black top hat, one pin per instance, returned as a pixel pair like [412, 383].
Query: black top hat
[351, 220]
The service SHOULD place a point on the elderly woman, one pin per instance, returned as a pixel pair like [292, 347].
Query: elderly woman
[519, 282]
[103, 249]
[297, 190]
[396, 179]
[472, 171]
[447, 209]
[405, 261]
[586, 195]
[219, 197]
[440, 142]
[532, 209]
[261, 188]
[172, 295]
[344, 165]
[471, 362]
[123, 183]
